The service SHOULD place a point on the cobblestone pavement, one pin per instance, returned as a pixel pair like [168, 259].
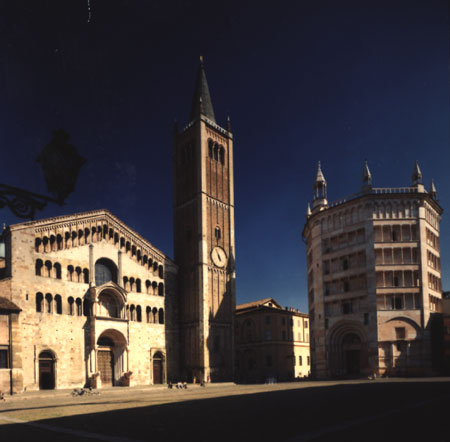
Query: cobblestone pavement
[384, 409]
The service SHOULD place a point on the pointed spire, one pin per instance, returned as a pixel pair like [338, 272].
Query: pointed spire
[201, 102]
[416, 175]
[320, 189]
[228, 124]
[367, 176]
[433, 191]
[308, 211]
[319, 176]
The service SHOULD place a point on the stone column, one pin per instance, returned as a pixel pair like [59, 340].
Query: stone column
[119, 276]
[91, 264]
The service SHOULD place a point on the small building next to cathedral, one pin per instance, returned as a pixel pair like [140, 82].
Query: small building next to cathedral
[374, 280]
[272, 342]
[87, 301]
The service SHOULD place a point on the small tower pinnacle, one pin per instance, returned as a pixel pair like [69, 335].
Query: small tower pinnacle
[433, 191]
[416, 175]
[366, 178]
[201, 101]
[308, 211]
[320, 189]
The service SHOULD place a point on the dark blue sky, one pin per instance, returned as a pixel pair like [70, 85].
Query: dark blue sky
[333, 81]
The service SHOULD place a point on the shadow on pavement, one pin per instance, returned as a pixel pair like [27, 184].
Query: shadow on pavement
[359, 412]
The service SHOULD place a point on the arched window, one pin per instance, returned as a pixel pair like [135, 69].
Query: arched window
[222, 155]
[87, 235]
[48, 303]
[132, 285]
[80, 238]
[79, 307]
[45, 244]
[86, 276]
[58, 303]
[57, 267]
[155, 287]
[52, 243]
[155, 266]
[74, 239]
[210, 148]
[71, 302]
[59, 242]
[67, 240]
[48, 268]
[144, 260]
[39, 299]
[217, 233]
[161, 289]
[148, 284]
[39, 265]
[116, 238]
[161, 271]
[70, 271]
[138, 313]
[161, 316]
[126, 284]
[155, 315]
[127, 247]
[132, 313]
[138, 285]
[105, 271]
[78, 272]
[148, 312]
[38, 245]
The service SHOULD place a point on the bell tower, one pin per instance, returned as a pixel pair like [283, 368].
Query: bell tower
[204, 240]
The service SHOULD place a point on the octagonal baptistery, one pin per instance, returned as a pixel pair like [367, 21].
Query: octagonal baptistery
[374, 280]
[97, 304]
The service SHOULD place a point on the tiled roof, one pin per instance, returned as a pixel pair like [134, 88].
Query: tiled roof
[256, 303]
[6, 304]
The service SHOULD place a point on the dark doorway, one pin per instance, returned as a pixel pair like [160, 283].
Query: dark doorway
[352, 353]
[352, 358]
[157, 369]
[46, 371]
[106, 367]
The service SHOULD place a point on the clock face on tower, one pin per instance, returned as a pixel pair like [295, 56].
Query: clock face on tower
[219, 257]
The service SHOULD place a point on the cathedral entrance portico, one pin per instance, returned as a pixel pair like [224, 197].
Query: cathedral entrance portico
[112, 359]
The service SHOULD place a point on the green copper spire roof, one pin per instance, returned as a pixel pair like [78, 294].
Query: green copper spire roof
[201, 102]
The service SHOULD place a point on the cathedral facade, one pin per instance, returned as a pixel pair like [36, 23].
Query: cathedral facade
[85, 300]
[374, 280]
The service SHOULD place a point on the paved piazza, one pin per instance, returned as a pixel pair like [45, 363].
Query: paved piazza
[385, 409]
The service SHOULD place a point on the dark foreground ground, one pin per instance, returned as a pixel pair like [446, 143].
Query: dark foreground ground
[381, 410]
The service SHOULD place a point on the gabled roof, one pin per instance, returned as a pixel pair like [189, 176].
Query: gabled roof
[93, 215]
[201, 101]
[260, 303]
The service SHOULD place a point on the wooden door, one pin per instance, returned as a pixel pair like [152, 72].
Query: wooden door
[106, 366]
[46, 374]
[157, 371]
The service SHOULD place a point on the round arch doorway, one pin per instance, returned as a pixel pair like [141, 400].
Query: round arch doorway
[351, 346]
[46, 370]
[111, 357]
[158, 368]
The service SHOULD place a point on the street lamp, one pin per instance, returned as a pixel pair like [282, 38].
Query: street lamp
[60, 164]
